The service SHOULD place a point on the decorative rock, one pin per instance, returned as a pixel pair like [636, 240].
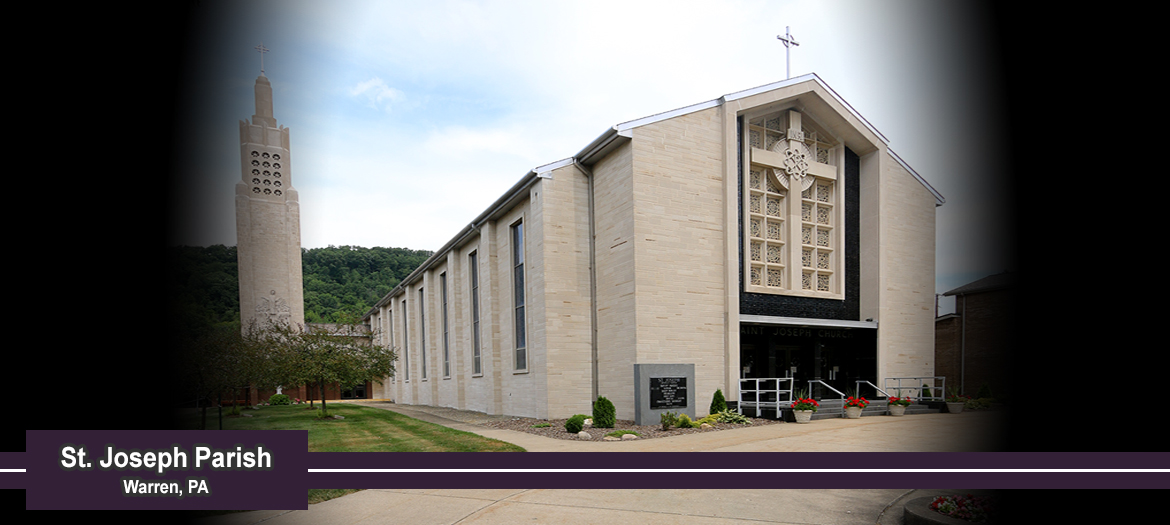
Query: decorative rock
[246, 415]
[338, 417]
[705, 426]
[584, 435]
[628, 437]
[588, 424]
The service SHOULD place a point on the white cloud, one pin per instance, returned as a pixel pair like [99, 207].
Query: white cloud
[377, 94]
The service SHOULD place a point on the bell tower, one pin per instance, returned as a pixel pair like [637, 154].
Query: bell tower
[268, 218]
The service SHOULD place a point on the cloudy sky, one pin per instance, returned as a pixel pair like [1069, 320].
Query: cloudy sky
[408, 118]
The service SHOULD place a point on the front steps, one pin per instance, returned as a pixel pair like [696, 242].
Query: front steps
[835, 408]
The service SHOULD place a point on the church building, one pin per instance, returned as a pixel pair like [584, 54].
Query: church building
[766, 234]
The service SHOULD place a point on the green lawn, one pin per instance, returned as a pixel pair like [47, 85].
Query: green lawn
[364, 429]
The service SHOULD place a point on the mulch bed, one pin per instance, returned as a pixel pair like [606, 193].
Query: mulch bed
[556, 430]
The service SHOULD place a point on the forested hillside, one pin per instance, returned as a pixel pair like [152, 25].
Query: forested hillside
[341, 282]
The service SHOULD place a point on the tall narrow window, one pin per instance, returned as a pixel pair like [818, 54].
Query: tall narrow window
[518, 289]
[446, 347]
[475, 359]
[422, 330]
[405, 342]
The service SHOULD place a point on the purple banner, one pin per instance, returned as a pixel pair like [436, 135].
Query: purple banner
[165, 469]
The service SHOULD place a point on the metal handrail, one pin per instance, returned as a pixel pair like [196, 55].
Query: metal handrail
[918, 387]
[875, 387]
[811, 381]
[757, 391]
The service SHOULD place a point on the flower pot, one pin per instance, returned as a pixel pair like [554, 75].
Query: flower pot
[852, 412]
[803, 416]
[955, 408]
[897, 410]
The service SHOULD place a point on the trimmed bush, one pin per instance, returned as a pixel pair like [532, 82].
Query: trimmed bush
[718, 403]
[669, 419]
[279, 399]
[684, 421]
[604, 414]
[576, 423]
[984, 391]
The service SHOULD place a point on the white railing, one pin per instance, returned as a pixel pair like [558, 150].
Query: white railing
[764, 392]
[916, 384]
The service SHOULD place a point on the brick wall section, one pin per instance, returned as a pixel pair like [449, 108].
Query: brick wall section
[906, 294]
[679, 229]
[989, 336]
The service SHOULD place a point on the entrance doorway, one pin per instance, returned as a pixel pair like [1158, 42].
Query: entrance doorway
[837, 356]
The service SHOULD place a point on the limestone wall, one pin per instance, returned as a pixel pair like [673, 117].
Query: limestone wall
[679, 238]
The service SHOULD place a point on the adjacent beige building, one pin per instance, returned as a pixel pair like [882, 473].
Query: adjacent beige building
[769, 233]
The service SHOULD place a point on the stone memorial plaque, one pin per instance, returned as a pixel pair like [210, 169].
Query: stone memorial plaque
[668, 392]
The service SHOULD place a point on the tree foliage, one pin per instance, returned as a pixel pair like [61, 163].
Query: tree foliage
[340, 282]
[296, 355]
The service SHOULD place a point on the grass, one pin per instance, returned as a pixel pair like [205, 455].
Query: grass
[620, 433]
[319, 495]
[364, 429]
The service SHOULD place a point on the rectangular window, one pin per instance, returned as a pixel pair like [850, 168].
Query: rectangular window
[446, 347]
[405, 343]
[518, 289]
[475, 359]
[422, 331]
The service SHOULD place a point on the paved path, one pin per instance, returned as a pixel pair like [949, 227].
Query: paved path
[648, 506]
[971, 431]
[966, 432]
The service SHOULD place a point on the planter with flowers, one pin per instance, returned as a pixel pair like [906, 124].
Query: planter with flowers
[854, 406]
[956, 402]
[897, 405]
[803, 409]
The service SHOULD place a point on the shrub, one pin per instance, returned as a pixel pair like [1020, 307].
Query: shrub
[984, 391]
[718, 403]
[279, 399]
[576, 423]
[684, 421]
[620, 433]
[542, 425]
[710, 420]
[604, 414]
[669, 419]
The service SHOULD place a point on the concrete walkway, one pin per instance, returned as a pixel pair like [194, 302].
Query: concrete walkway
[971, 431]
[976, 431]
[647, 506]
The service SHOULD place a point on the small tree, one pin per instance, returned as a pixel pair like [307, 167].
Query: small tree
[342, 355]
[604, 413]
[718, 404]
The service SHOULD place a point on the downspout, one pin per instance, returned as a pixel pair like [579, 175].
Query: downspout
[592, 279]
[963, 348]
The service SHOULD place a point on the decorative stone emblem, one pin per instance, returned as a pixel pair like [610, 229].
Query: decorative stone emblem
[796, 163]
[275, 308]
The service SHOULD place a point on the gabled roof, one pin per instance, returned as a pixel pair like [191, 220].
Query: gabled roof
[621, 132]
[614, 137]
[990, 283]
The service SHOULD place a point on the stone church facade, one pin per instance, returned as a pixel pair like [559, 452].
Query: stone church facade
[769, 233]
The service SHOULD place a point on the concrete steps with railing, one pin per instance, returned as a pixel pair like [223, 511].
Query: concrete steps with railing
[835, 408]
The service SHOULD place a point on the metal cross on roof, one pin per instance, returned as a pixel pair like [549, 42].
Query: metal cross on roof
[262, 50]
[788, 42]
